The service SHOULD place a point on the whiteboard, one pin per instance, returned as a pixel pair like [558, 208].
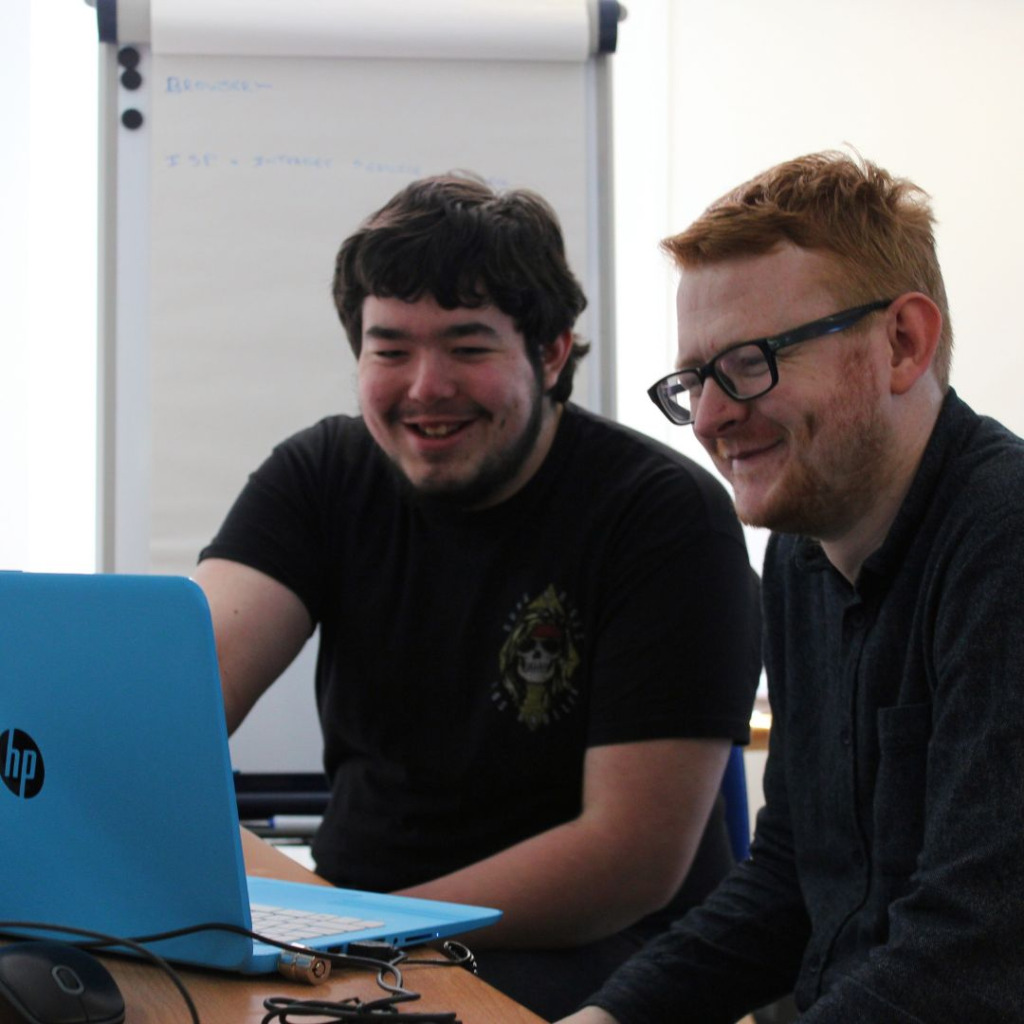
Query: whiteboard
[239, 151]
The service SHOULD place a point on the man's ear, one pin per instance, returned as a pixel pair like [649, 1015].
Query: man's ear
[915, 326]
[553, 357]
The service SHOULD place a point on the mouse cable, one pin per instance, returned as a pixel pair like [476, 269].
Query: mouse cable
[381, 957]
[376, 963]
[384, 960]
[102, 939]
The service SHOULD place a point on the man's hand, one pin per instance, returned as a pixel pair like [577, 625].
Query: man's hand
[589, 1015]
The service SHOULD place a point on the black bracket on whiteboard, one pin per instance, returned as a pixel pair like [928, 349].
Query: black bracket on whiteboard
[609, 14]
[106, 20]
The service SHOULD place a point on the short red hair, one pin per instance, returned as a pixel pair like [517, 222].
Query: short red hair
[877, 228]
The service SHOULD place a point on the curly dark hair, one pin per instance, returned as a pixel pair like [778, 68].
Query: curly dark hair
[456, 239]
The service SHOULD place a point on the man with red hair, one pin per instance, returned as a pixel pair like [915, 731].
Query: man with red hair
[885, 882]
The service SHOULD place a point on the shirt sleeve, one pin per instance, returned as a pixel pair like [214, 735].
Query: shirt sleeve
[677, 640]
[276, 523]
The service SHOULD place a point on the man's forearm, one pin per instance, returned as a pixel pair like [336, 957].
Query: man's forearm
[624, 857]
[562, 887]
[590, 1015]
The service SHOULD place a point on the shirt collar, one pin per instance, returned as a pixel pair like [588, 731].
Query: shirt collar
[947, 436]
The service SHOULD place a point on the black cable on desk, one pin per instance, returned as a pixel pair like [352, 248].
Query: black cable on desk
[385, 961]
[102, 939]
[283, 1010]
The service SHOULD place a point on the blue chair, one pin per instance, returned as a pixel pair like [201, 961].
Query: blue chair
[737, 811]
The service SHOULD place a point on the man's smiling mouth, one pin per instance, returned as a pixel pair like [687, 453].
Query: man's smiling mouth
[437, 431]
[739, 456]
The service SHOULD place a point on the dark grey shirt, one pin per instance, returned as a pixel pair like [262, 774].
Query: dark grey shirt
[887, 874]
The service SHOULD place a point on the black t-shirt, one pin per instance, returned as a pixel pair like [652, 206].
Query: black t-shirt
[468, 659]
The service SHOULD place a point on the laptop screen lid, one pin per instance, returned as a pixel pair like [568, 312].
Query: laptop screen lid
[117, 799]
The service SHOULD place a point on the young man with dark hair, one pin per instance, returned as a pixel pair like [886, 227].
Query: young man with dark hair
[885, 882]
[538, 630]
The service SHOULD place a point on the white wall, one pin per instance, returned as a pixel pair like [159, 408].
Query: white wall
[710, 93]
[47, 285]
[14, 179]
[706, 95]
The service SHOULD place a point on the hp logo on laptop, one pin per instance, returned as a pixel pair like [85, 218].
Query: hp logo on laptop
[21, 763]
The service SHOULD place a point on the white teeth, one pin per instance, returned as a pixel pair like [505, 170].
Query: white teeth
[440, 431]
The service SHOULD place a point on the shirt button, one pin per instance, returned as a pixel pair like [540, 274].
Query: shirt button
[845, 738]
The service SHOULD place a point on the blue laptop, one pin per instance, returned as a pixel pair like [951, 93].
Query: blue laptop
[116, 796]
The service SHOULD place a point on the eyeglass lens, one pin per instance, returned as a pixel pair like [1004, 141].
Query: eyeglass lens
[743, 372]
[747, 370]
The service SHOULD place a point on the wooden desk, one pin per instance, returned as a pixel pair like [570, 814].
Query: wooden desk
[760, 725]
[150, 997]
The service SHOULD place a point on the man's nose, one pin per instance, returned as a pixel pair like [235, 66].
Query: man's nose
[716, 411]
[432, 378]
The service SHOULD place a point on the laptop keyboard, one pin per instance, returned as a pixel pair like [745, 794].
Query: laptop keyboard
[287, 924]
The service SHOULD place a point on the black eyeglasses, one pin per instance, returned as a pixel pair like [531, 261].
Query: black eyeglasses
[748, 369]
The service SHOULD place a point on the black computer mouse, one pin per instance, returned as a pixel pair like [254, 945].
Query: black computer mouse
[53, 983]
